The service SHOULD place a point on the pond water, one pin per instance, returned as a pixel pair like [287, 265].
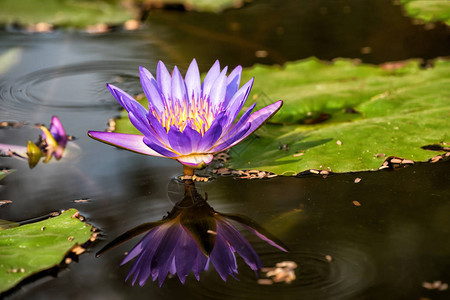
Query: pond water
[387, 247]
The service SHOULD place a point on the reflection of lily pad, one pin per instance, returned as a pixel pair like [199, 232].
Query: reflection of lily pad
[346, 117]
[428, 10]
[64, 12]
[29, 249]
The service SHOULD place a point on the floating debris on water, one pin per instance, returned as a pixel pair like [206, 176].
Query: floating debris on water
[5, 202]
[393, 162]
[435, 285]
[282, 272]
[244, 174]
[80, 200]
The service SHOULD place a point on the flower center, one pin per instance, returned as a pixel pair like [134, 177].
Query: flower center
[197, 114]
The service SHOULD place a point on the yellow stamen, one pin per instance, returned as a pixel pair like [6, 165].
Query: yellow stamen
[198, 114]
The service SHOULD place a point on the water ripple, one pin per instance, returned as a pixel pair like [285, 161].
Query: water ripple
[75, 86]
[340, 272]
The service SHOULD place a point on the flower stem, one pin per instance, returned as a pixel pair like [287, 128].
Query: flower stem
[188, 171]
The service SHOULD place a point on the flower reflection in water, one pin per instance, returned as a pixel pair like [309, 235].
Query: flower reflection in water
[51, 143]
[191, 237]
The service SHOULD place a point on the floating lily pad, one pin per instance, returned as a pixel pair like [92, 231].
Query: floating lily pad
[342, 116]
[428, 10]
[203, 5]
[346, 116]
[67, 13]
[29, 249]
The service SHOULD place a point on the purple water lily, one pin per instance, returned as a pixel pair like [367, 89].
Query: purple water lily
[52, 142]
[188, 120]
[190, 238]
[55, 138]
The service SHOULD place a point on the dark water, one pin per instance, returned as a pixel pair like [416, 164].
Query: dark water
[384, 249]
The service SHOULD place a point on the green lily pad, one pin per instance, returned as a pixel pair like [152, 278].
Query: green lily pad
[29, 249]
[342, 116]
[205, 5]
[67, 13]
[428, 10]
[346, 116]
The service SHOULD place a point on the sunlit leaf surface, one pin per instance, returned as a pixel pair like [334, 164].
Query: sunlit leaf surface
[31, 248]
[64, 12]
[346, 117]
[205, 5]
[428, 10]
[342, 116]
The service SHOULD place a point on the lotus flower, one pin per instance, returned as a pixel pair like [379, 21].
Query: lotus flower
[191, 237]
[188, 120]
[52, 142]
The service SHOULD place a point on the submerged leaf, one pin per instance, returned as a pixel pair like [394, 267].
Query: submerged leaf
[393, 110]
[29, 249]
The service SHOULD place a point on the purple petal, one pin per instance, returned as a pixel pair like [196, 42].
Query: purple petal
[192, 80]
[173, 268]
[164, 81]
[131, 142]
[127, 102]
[231, 141]
[58, 132]
[233, 81]
[140, 123]
[239, 243]
[194, 136]
[163, 256]
[160, 131]
[213, 133]
[196, 161]
[219, 89]
[184, 255]
[139, 247]
[146, 259]
[236, 127]
[200, 263]
[223, 259]
[179, 141]
[163, 151]
[266, 239]
[145, 250]
[238, 100]
[178, 86]
[258, 118]
[151, 91]
[257, 230]
[210, 78]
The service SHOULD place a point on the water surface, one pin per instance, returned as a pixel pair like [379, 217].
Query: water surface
[386, 248]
